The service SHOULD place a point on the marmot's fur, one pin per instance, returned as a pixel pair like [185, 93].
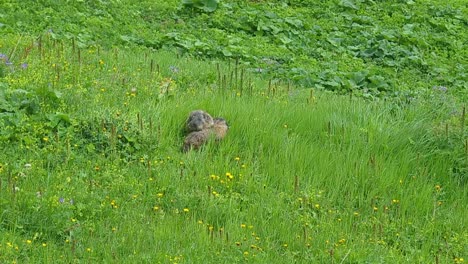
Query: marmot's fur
[220, 127]
[198, 120]
[196, 139]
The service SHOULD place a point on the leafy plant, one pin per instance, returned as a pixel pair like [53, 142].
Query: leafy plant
[203, 5]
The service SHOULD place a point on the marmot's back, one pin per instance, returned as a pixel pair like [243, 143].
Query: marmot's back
[198, 120]
[196, 139]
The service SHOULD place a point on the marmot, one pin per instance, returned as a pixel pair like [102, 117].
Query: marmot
[196, 139]
[220, 128]
[198, 120]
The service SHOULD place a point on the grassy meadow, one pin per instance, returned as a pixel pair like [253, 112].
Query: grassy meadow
[91, 169]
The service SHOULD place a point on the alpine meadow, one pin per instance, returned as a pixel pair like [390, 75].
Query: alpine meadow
[344, 131]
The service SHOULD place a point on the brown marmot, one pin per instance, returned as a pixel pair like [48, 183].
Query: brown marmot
[198, 120]
[196, 139]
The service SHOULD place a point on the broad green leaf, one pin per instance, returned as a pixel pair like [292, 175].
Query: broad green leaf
[210, 5]
[349, 4]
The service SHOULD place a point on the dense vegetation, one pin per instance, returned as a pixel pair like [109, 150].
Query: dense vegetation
[348, 139]
[368, 47]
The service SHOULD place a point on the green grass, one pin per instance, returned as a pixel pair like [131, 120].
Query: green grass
[372, 48]
[91, 168]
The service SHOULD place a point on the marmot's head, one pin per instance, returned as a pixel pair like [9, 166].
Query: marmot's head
[199, 120]
[219, 121]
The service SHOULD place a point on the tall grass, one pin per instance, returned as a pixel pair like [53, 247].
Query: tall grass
[301, 177]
